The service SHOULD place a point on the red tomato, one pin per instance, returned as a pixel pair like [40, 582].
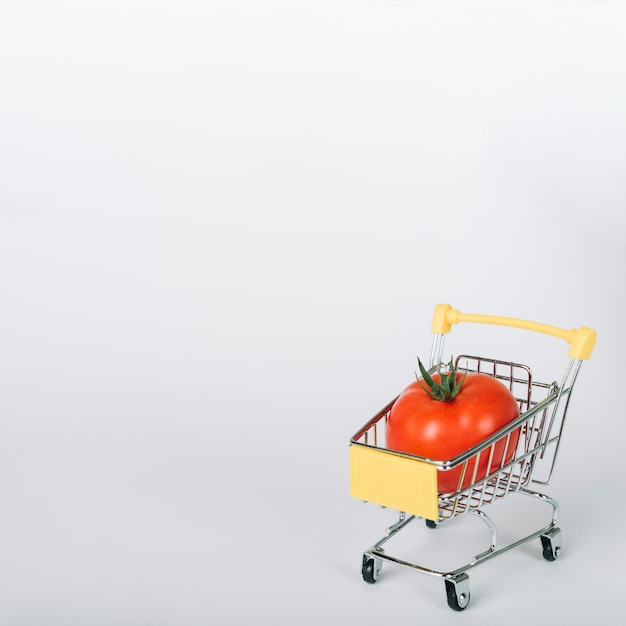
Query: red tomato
[439, 430]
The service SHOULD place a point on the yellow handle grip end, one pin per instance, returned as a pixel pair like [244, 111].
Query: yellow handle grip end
[582, 343]
[441, 323]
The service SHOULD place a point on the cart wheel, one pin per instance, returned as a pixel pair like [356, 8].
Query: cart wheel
[457, 592]
[551, 543]
[370, 569]
[431, 523]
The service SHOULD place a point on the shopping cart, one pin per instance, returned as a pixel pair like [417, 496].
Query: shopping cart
[408, 483]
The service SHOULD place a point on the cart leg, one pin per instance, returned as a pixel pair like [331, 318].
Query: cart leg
[494, 534]
[458, 592]
[372, 564]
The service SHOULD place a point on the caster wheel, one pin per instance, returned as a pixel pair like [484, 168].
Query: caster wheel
[457, 592]
[370, 570]
[431, 524]
[551, 543]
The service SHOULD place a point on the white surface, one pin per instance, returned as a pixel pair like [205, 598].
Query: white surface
[223, 228]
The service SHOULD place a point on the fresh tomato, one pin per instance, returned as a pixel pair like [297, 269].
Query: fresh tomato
[441, 416]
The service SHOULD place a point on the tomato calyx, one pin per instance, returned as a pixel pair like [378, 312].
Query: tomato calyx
[447, 389]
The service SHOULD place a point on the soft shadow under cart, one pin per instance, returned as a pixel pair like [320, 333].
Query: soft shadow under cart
[408, 483]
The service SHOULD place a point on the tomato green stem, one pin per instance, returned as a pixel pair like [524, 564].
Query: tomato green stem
[448, 387]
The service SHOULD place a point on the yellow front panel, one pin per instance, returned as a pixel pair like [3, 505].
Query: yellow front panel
[393, 481]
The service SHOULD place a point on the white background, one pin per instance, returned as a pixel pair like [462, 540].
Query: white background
[223, 230]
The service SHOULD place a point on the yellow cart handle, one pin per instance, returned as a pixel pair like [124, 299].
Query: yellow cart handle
[581, 340]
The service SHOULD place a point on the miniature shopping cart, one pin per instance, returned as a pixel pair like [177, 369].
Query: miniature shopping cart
[408, 483]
